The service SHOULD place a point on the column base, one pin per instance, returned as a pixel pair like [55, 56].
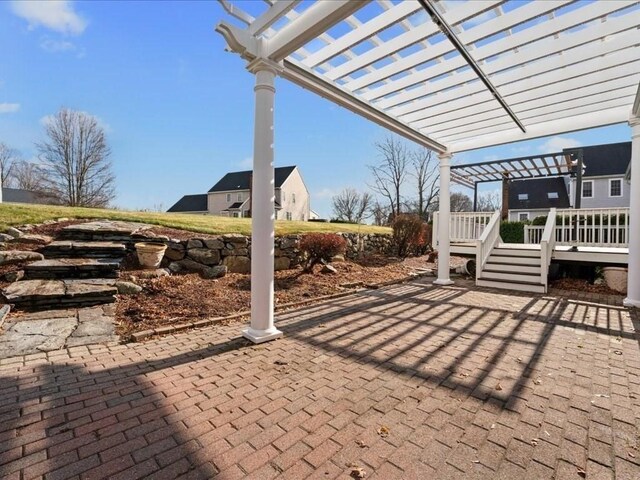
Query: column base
[261, 336]
[443, 281]
[628, 302]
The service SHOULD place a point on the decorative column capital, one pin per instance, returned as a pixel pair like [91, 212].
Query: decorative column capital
[445, 158]
[260, 64]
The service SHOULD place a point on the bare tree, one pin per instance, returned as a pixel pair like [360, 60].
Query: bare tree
[425, 171]
[352, 206]
[390, 172]
[460, 202]
[380, 213]
[75, 160]
[8, 160]
[27, 176]
[488, 202]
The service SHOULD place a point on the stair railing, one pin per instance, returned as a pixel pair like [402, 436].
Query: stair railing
[547, 244]
[487, 241]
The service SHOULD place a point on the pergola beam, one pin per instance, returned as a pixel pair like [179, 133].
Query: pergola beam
[271, 16]
[315, 20]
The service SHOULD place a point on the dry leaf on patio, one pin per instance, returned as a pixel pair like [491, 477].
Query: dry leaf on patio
[281, 362]
[534, 442]
[462, 374]
[519, 359]
[361, 443]
[498, 386]
[383, 431]
[358, 472]
[617, 352]
[582, 473]
[631, 455]
[537, 381]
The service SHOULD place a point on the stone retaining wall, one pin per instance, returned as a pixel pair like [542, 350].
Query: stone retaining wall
[234, 251]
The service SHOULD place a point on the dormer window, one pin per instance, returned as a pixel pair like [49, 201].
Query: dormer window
[552, 195]
[228, 198]
[523, 196]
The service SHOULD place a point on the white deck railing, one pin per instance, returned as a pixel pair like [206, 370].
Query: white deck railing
[596, 227]
[465, 227]
[547, 243]
[489, 238]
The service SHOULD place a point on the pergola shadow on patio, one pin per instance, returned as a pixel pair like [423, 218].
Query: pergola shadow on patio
[451, 76]
[470, 383]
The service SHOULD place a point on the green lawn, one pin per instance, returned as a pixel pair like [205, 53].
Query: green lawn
[19, 214]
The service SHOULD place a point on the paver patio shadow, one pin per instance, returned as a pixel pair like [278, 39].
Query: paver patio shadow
[470, 383]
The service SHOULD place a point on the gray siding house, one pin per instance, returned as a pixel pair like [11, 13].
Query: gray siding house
[231, 196]
[605, 184]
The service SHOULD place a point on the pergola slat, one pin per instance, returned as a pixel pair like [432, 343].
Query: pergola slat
[271, 16]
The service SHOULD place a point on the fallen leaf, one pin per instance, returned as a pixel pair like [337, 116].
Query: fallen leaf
[498, 386]
[534, 442]
[358, 472]
[519, 359]
[361, 443]
[547, 433]
[617, 352]
[476, 461]
[581, 472]
[493, 425]
[462, 374]
[537, 381]
[631, 455]
[383, 431]
[281, 362]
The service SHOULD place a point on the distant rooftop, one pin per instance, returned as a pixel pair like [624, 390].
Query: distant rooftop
[242, 180]
[190, 203]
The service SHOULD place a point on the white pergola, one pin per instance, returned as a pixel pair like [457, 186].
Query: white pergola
[449, 75]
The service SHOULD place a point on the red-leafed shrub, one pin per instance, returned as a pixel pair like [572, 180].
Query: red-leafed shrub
[409, 234]
[321, 247]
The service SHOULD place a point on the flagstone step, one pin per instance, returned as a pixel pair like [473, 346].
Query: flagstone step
[67, 293]
[72, 268]
[70, 248]
[114, 231]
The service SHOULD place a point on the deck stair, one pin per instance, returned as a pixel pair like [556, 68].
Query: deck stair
[513, 267]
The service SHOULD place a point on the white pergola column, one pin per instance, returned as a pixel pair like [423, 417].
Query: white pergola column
[633, 278]
[262, 326]
[444, 214]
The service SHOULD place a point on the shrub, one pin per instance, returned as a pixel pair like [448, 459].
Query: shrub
[512, 232]
[541, 220]
[321, 247]
[409, 234]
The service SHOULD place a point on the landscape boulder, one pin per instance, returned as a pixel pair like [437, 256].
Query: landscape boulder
[235, 238]
[237, 264]
[14, 276]
[194, 243]
[128, 288]
[215, 272]
[5, 237]
[14, 232]
[34, 239]
[8, 257]
[155, 273]
[328, 269]
[214, 243]
[204, 256]
[175, 251]
[4, 311]
[281, 263]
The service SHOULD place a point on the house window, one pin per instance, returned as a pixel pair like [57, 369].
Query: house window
[523, 196]
[239, 197]
[615, 187]
[236, 214]
[293, 198]
[587, 189]
[288, 215]
[228, 197]
[523, 217]
[552, 195]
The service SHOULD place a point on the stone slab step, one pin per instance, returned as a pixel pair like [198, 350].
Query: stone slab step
[73, 268]
[70, 248]
[47, 294]
[103, 231]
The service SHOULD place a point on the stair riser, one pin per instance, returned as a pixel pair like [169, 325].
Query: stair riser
[512, 252]
[63, 303]
[513, 268]
[514, 260]
[62, 274]
[510, 277]
[510, 286]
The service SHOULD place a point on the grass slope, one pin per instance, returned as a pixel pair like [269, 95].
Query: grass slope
[19, 214]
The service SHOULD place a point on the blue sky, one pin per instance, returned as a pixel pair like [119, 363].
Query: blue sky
[177, 108]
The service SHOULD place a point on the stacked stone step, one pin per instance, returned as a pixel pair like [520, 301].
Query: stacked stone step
[79, 270]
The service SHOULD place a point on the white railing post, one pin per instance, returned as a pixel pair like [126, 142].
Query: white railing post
[444, 232]
[547, 243]
[487, 241]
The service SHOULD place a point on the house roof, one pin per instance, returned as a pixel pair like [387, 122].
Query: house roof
[18, 195]
[537, 190]
[609, 159]
[190, 203]
[241, 180]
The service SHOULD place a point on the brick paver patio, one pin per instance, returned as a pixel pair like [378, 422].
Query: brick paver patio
[470, 383]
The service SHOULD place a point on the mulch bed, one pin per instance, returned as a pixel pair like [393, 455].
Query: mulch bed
[580, 285]
[179, 298]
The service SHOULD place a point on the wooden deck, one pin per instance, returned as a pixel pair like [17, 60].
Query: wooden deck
[561, 253]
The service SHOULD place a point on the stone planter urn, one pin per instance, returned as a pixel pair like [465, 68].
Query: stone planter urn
[615, 278]
[150, 254]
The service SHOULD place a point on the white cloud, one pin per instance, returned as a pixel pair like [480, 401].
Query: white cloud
[324, 193]
[557, 144]
[9, 107]
[57, 15]
[56, 46]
